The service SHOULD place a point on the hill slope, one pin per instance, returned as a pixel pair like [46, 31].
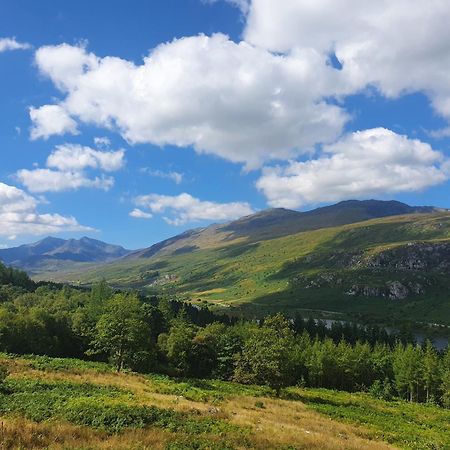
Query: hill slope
[78, 404]
[278, 222]
[395, 267]
[53, 253]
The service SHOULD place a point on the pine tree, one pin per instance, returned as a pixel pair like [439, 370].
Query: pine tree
[430, 371]
[445, 384]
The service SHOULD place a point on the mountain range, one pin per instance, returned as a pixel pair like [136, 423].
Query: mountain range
[53, 254]
[360, 259]
[364, 260]
[278, 222]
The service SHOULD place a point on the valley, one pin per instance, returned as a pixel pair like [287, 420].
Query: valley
[382, 269]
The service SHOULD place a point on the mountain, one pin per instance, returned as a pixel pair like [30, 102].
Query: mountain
[52, 254]
[387, 261]
[278, 222]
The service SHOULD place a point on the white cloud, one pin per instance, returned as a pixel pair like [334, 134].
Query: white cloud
[77, 157]
[102, 142]
[185, 208]
[229, 99]
[46, 180]
[176, 177]
[8, 44]
[71, 162]
[398, 46]
[19, 216]
[49, 120]
[139, 214]
[362, 164]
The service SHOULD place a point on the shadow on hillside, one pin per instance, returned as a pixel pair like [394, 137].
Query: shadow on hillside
[210, 278]
[185, 249]
[237, 250]
[157, 265]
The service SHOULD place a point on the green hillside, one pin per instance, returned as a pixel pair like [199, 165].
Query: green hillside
[393, 267]
[57, 403]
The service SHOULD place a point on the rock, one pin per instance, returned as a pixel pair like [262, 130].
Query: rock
[414, 256]
[396, 290]
[213, 410]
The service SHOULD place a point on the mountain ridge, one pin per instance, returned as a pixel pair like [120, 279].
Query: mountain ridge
[60, 252]
[277, 222]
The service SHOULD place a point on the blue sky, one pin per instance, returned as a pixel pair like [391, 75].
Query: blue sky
[239, 107]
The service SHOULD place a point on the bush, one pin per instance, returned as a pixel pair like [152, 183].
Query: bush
[3, 373]
[115, 417]
[382, 389]
[198, 444]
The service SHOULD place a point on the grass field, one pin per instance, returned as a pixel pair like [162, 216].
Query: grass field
[71, 404]
[257, 276]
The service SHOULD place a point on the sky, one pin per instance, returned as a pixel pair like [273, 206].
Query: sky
[131, 122]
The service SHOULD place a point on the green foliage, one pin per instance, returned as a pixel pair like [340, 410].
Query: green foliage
[265, 358]
[40, 400]
[382, 389]
[445, 386]
[103, 407]
[212, 391]
[406, 425]
[198, 444]
[15, 277]
[408, 370]
[179, 345]
[263, 277]
[48, 364]
[3, 374]
[123, 333]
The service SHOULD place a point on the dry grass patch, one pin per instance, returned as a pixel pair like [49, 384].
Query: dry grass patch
[284, 423]
[22, 434]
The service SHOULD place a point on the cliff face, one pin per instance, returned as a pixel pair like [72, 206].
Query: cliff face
[415, 256]
[396, 273]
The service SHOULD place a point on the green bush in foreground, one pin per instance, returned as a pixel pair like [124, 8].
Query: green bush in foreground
[3, 373]
[102, 407]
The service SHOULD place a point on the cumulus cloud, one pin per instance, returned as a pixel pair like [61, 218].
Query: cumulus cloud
[77, 157]
[19, 216]
[46, 180]
[8, 44]
[176, 177]
[229, 99]
[398, 46]
[49, 120]
[67, 166]
[363, 164]
[102, 142]
[184, 208]
[139, 214]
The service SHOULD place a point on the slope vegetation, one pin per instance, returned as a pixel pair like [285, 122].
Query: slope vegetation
[67, 404]
[395, 267]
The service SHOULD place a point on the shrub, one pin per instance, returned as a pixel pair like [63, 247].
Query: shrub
[382, 389]
[3, 373]
[115, 417]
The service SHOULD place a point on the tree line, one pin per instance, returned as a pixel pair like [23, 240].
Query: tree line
[160, 335]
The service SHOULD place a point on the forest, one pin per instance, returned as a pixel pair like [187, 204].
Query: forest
[160, 335]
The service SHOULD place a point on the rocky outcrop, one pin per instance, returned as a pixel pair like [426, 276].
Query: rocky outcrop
[355, 284]
[415, 256]
[393, 290]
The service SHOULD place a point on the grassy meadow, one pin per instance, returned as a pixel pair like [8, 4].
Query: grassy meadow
[56, 403]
